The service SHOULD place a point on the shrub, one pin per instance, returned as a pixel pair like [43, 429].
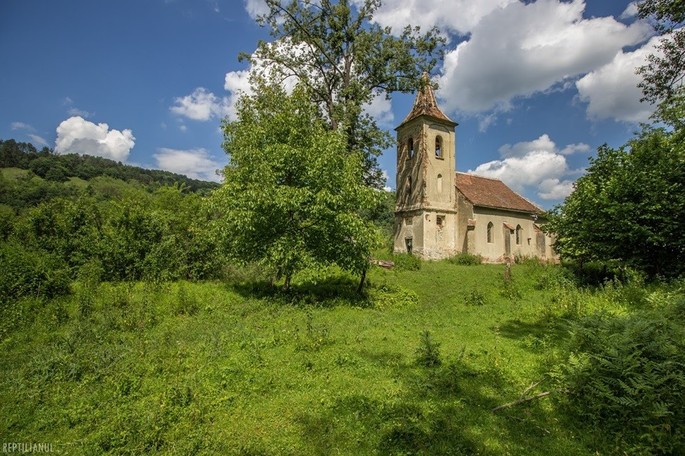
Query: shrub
[428, 353]
[626, 375]
[466, 259]
[406, 262]
[28, 272]
[475, 298]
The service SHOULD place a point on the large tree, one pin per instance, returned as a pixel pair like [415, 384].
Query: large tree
[293, 195]
[664, 73]
[629, 207]
[334, 48]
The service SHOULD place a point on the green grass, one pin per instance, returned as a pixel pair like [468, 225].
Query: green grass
[211, 368]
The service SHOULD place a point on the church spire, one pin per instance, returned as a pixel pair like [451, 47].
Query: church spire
[425, 104]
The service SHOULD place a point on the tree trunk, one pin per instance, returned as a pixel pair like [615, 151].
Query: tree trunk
[361, 282]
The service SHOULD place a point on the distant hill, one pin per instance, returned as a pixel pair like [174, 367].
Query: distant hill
[60, 168]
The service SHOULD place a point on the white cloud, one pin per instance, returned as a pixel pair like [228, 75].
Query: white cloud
[611, 91]
[380, 109]
[79, 112]
[201, 105]
[38, 140]
[21, 126]
[77, 135]
[537, 164]
[194, 163]
[457, 16]
[523, 49]
[630, 11]
[554, 189]
[256, 8]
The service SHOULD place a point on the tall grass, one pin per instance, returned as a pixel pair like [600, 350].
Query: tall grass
[413, 366]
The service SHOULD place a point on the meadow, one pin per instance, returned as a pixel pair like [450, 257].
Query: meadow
[416, 365]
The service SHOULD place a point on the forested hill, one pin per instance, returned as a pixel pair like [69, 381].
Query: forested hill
[53, 167]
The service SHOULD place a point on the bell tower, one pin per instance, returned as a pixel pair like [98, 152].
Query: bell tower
[425, 210]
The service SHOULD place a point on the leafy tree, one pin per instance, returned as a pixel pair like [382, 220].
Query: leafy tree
[664, 73]
[292, 194]
[345, 60]
[629, 207]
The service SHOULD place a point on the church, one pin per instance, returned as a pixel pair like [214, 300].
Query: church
[440, 213]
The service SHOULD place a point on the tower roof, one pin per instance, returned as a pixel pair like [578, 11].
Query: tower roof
[425, 104]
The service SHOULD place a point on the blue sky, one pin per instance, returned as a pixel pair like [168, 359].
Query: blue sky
[536, 87]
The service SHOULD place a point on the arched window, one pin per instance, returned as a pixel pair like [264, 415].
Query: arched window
[410, 148]
[439, 183]
[438, 147]
[519, 234]
[490, 229]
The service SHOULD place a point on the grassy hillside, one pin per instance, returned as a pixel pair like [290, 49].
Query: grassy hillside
[187, 368]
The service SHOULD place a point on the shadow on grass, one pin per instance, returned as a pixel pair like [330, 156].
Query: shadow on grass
[326, 293]
[445, 410]
[555, 328]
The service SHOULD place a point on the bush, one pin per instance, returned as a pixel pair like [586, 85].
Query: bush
[428, 353]
[626, 375]
[466, 259]
[406, 262]
[31, 273]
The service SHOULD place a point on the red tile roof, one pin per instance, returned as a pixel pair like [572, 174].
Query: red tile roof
[425, 104]
[485, 192]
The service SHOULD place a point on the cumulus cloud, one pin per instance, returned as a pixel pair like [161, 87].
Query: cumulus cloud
[630, 11]
[256, 8]
[537, 164]
[194, 163]
[77, 135]
[611, 91]
[201, 105]
[523, 49]
[456, 16]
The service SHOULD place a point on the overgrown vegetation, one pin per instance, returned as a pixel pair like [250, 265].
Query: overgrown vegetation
[409, 367]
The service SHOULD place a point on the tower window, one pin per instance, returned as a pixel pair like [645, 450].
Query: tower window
[440, 221]
[410, 148]
[490, 228]
[438, 147]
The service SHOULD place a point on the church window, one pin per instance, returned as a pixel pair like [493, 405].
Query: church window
[440, 221]
[410, 148]
[490, 230]
[438, 147]
[439, 183]
[519, 234]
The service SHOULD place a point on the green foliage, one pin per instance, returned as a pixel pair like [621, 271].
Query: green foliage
[626, 376]
[466, 259]
[428, 352]
[663, 74]
[292, 196]
[406, 262]
[345, 60]
[629, 207]
[58, 168]
[30, 273]
[475, 298]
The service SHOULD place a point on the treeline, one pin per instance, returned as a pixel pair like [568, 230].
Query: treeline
[63, 216]
[59, 168]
